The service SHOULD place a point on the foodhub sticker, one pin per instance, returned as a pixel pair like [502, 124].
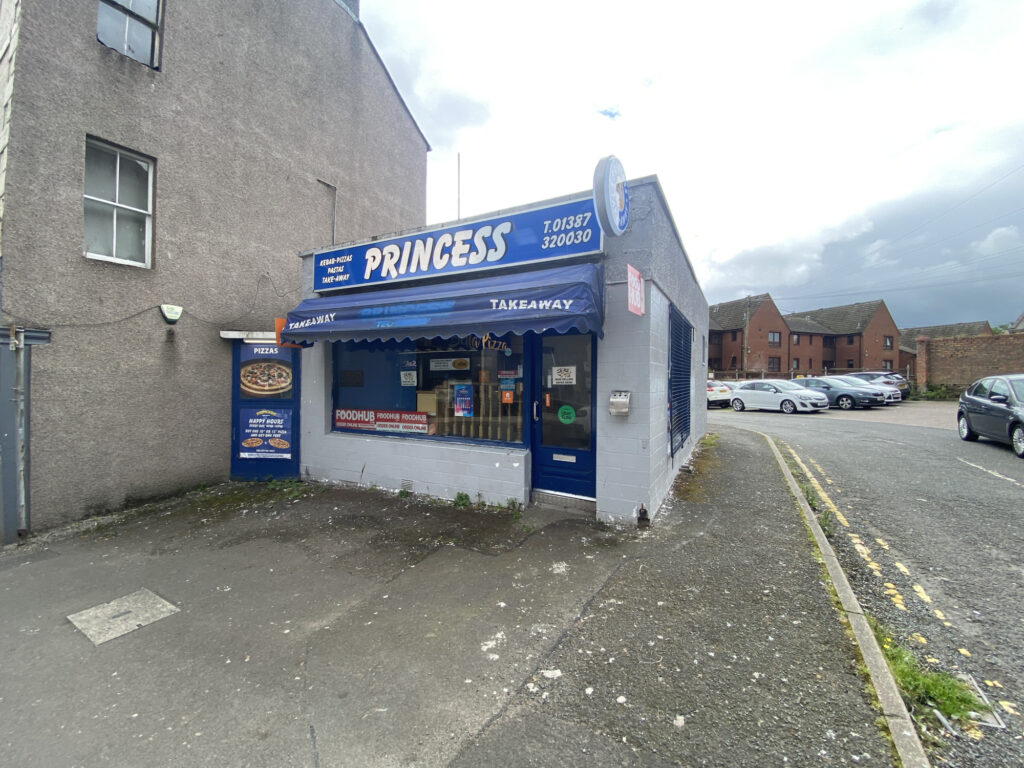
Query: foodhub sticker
[371, 420]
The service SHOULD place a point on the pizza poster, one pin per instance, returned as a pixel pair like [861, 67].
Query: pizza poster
[464, 400]
[265, 372]
[266, 433]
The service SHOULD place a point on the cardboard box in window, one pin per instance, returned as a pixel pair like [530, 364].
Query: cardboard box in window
[426, 401]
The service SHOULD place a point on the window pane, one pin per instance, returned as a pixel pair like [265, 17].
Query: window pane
[100, 169]
[133, 189]
[565, 410]
[468, 387]
[131, 236]
[111, 27]
[145, 8]
[99, 229]
[139, 42]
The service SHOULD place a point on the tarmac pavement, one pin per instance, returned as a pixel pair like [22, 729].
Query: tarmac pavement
[346, 627]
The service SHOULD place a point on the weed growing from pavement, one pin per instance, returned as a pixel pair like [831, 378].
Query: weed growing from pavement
[821, 512]
[461, 500]
[701, 460]
[925, 690]
[939, 393]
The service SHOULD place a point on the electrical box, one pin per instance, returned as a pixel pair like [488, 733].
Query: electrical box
[618, 403]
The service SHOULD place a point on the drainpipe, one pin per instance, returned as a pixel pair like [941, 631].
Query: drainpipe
[13, 437]
[18, 347]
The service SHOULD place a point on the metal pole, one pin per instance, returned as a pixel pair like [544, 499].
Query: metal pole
[22, 427]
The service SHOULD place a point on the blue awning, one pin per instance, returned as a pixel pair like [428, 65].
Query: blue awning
[556, 299]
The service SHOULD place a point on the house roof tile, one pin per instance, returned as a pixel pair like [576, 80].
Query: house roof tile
[732, 315]
[849, 318]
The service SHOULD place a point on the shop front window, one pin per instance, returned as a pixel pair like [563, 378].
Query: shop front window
[466, 388]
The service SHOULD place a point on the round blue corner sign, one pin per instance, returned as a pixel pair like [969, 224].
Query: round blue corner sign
[611, 196]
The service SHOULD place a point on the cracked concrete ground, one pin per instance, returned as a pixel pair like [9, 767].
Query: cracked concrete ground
[337, 627]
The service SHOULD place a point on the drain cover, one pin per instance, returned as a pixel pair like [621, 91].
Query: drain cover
[990, 718]
[121, 616]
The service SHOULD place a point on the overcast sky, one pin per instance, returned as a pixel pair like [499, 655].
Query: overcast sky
[823, 152]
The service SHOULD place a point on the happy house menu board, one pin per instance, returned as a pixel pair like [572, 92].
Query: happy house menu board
[265, 372]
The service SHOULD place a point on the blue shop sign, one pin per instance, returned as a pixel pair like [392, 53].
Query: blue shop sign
[544, 234]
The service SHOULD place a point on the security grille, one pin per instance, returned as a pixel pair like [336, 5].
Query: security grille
[681, 336]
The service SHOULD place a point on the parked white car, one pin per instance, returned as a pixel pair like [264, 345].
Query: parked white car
[719, 394]
[778, 395]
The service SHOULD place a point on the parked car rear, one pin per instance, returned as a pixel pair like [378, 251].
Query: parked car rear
[719, 394]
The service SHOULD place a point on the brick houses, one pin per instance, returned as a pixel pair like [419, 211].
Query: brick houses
[750, 336]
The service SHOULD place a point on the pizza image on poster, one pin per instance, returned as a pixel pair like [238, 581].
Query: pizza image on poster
[265, 372]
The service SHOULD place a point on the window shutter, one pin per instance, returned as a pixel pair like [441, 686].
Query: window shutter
[680, 339]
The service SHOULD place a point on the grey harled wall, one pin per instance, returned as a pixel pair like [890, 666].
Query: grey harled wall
[633, 461]
[253, 103]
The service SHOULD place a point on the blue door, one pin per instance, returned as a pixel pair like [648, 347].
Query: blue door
[264, 412]
[562, 415]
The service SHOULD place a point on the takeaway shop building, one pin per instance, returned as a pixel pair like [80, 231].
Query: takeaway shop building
[553, 352]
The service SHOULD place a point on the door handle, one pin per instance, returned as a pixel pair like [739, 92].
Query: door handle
[535, 416]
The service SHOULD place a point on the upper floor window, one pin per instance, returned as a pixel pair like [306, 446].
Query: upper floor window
[887, 342]
[734, 335]
[796, 339]
[774, 339]
[130, 27]
[849, 340]
[118, 205]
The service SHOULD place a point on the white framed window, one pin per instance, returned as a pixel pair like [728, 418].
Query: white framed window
[130, 27]
[118, 200]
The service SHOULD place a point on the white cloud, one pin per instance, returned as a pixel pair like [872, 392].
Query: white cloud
[769, 125]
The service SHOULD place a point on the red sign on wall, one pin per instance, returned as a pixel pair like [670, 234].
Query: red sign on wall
[635, 289]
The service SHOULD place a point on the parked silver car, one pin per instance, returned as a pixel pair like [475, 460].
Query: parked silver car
[891, 378]
[892, 393]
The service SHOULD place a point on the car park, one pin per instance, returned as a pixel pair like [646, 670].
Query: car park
[893, 396]
[777, 395]
[719, 394]
[993, 407]
[844, 395]
[889, 378]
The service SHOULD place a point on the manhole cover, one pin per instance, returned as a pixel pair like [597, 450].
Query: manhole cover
[121, 616]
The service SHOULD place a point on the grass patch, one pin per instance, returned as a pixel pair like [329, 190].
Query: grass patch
[925, 689]
[687, 486]
[938, 393]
